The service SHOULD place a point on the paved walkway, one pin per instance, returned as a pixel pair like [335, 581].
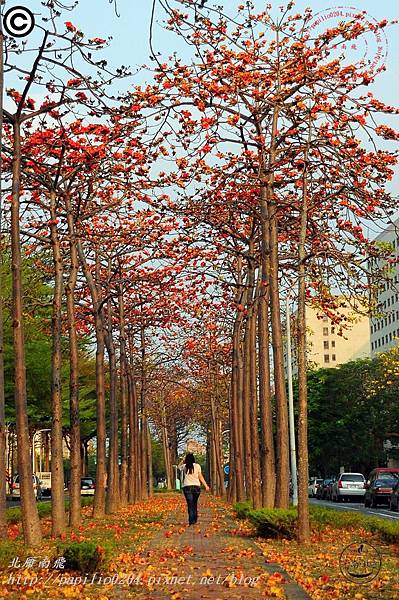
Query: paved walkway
[213, 560]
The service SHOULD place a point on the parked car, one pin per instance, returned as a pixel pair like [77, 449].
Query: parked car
[45, 482]
[329, 488]
[16, 492]
[321, 492]
[375, 473]
[380, 489]
[313, 485]
[348, 485]
[394, 497]
[87, 486]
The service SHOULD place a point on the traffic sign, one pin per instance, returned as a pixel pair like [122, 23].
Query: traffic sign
[226, 469]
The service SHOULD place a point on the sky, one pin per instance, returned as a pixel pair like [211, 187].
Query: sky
[130, 31]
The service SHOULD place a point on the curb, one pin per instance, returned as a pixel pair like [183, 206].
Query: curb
[292, 589]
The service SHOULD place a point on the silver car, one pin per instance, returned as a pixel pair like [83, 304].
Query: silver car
[348, 485]
[313, 485]
[16, 492]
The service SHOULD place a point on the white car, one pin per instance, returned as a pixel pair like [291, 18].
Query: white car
[314, 483]
[348, 485]
[45, 482]
[16, 492]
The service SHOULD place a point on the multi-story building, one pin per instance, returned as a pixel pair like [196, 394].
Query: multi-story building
[325, 348]
[384, 328]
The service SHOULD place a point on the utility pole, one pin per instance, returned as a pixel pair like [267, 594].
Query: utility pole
[294, 476]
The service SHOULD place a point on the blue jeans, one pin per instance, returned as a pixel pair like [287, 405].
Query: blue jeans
[191, 493]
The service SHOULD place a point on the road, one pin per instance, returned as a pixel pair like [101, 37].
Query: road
[381, 511]
[14, 503]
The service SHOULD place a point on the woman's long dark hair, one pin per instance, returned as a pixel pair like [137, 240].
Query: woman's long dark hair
[189, 462]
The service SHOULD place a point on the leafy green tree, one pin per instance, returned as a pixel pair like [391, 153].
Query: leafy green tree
[38, 345]
[351, 411]
[158, 461]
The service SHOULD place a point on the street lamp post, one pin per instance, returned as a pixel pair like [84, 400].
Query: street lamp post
[291, 408]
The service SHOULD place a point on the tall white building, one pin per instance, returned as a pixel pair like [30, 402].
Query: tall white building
[385, 329]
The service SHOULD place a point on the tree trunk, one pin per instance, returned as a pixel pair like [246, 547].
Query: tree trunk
[29, 514]
[240, 396]
[173, 443]
[282, 443]
[75, 516]
[99, 496]
[112, 497]
[124, 402]
[216, 454]
[166, 449]
[144, 450]
[256, 492]
[246, 398]
[236, 450]
[58, 523]
[232, 495]
[247, 412]
[3, 466]
[134, 479]
[303, 461]
[265, 402]
[212, 462]
[143, 458]
[149, 463]
[282, 471]
[85, 458]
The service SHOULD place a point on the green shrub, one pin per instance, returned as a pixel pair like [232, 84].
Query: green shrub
[85, 557]
[86, 501]
[274, 522]
[43, 508]
[321, 517]
[10, 549]
[13, 515]
[277, 522]
[388, 530]
[242, 509]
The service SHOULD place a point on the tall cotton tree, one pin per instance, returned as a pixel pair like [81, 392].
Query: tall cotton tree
[53, 63]
[242, 100]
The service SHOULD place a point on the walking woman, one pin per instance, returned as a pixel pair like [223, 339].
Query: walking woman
[192, 485]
